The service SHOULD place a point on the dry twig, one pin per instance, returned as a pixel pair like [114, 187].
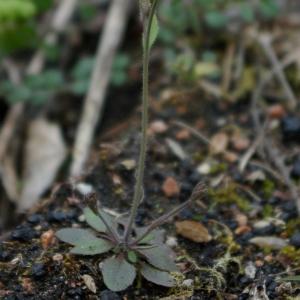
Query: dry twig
[94, 101]
[265, 42]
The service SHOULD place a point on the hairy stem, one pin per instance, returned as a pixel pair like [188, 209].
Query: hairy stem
[197, 193]
[138, 190]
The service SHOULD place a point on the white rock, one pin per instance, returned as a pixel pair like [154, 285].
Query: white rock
[172, 241]
[250, 270]
[188, 282]
[204, 168]
[269, 241]
[84, 188]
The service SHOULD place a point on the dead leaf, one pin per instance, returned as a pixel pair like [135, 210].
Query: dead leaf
[90, 283]
[44, 153]
[193, 231]
[170, 187]
[219, 143]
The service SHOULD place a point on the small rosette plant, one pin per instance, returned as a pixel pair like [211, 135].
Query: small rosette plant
[134, 250]
[144, 253]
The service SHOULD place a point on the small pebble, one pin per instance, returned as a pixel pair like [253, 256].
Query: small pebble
[295, 172]
[259, 263]
[4, 255]
[57, 257]
[171, 187]
[23, 233]
[188, 282]
[35, 219]
[158, 126]
[47, 239]
[269, 242]
[38, 270]
[295, 240]
[172, 241]
[250, 270]
[56, 216]
[84, 188]
[290, 127]
[242, 230]
[109, 295]
[276, 111]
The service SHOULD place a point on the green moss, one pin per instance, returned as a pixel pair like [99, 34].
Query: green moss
[268, 211]
[291, 253]
[268, 188]
[218, 168]
[228, 195]
[199, 156]
[292, 226]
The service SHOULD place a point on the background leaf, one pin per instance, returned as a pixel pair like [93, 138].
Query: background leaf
[117, 273]
[157, 276]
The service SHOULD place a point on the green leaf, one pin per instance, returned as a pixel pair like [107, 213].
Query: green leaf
[83, 68]
[157, 276]
[93, 220]
[160, 257]
[16, 10]
[75, 236]
[19, 36]
[215, 19]
[121, 62]
[117, 273]
[50, 80]
[269, 9]
[153, 31]
[92, 247]
[132, 257]
[247, 12]
[80, 87]
[20, 93]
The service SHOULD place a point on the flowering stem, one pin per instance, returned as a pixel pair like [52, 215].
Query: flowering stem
[138, 190]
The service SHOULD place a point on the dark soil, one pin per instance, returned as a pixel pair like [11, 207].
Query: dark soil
[29, 271]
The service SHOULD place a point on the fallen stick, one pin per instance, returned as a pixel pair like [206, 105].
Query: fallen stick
[95, 98]
[265, 43]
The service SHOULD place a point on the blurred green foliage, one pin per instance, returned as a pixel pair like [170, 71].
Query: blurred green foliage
[80, 75]
[180, 16]
[179, 19]
[184, 24]
[18, 28]
[36, 89]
